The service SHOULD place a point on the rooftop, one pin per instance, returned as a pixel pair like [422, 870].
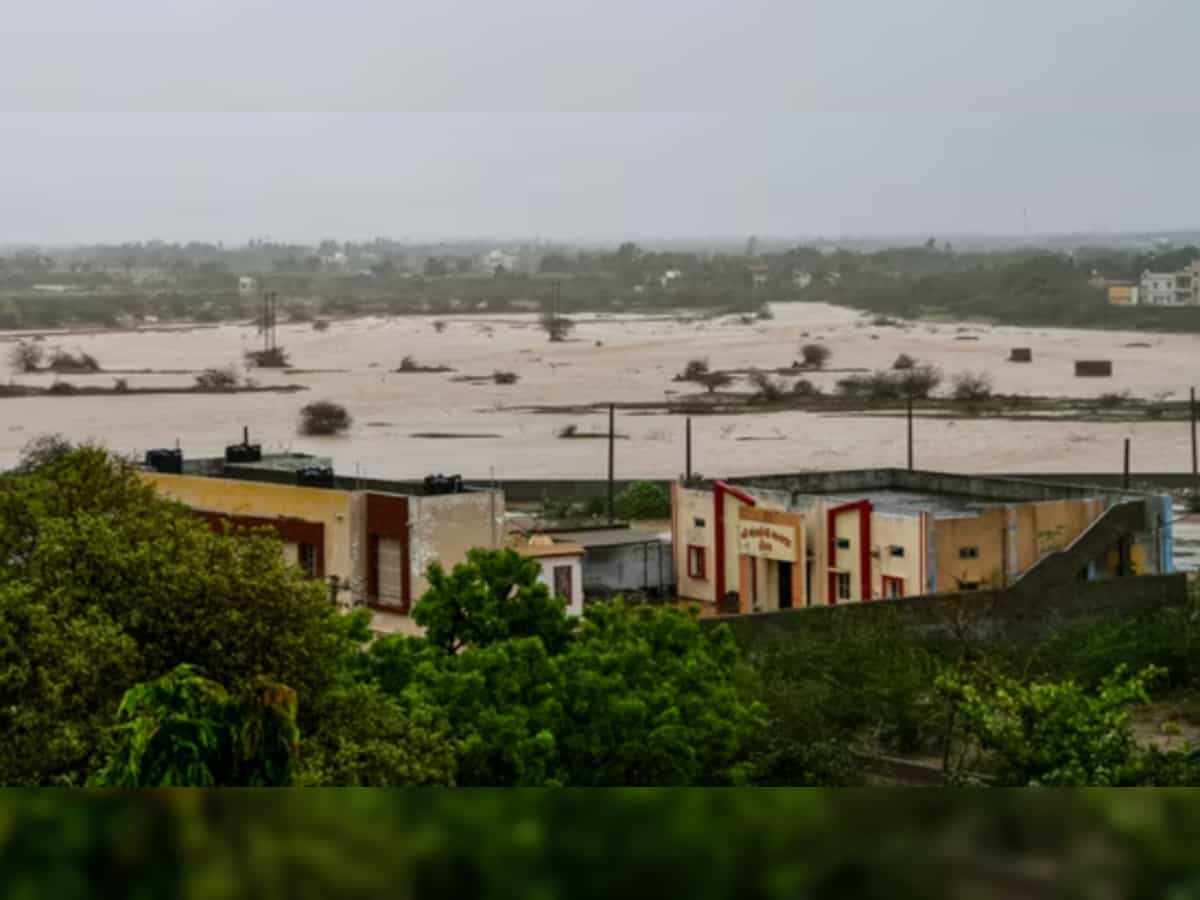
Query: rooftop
[596, 538]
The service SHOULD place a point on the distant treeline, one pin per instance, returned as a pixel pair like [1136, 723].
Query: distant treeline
[129, 285]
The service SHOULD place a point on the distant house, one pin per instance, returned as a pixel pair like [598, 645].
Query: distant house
[669, 276]
[247, 284]
[1122, 293]
[801, 279]
[759, 274]
[561, 563]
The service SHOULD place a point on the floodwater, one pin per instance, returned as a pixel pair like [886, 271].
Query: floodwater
[609, 358]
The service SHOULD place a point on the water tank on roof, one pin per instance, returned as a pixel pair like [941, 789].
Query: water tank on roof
[165, 460]
[443, 484]
[315, 476]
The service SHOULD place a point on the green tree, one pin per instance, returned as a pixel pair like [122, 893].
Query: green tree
[183, 730]
[1053, 734]
[643, 500]
[493, 596]
[107, 585]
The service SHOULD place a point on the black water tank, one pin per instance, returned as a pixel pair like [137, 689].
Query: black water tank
[315, 476]
[243, 453]
[164, 460]
[443, 484]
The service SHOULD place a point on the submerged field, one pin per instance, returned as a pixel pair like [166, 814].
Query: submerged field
[412, 423]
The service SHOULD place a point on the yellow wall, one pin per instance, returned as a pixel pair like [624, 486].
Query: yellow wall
[336, 510]
[901, 531]
[446, 526]
[1120, 294]
[985, 530]
[688, 505]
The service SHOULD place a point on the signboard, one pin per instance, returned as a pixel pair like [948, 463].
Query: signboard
[769, 534]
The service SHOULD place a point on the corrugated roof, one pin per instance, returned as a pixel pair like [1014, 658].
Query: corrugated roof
[610, 537]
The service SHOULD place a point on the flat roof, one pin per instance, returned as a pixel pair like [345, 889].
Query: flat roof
[904, 502]
[609, 537]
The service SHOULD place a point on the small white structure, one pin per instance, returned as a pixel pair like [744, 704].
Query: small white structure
[562, 567]
[247, 284]
[669, 276]
[801, 279]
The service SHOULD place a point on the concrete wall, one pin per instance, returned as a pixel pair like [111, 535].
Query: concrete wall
[446, 526]
[977, 615]
[688, 507]
[907, 533]
[983, 532]
[337, 511]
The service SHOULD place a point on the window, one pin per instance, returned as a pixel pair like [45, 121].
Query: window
[563, 586]
[695, 562]
[843, 543]
[968, 553]
[698, 522]
[843, 585]
[896, 550]
[892, 586]
[306, 557]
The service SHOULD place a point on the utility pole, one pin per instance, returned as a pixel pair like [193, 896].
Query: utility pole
[612, 437]
[688, 451]
[1195, 470]
[910, 426]
[1125, 479]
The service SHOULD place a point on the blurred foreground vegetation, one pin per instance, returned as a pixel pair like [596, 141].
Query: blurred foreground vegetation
[580, 845]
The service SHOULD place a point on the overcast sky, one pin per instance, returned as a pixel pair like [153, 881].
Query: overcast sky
[572, 118]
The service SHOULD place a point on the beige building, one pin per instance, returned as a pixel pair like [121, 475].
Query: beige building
[781, 542]
[371, 540]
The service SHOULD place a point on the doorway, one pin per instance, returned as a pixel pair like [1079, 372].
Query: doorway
[785, 585]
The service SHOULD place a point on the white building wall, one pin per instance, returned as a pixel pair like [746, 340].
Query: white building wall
[574, 562]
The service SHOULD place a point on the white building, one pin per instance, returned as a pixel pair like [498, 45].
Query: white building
[247, 284]
[1169, 288]
[562, 567]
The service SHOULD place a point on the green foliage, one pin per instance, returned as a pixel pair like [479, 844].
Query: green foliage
[643, 500]
[494, 596]
[183, 730]
[815, 356]
[1052, 734]
[108, 585]
[323, 418]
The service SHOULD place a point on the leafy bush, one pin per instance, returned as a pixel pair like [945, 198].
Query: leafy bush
[66, 363]
[643, 500]
[904, 362]
[273, 358]
[121, 385]
[557, 327]
[693, 371]
[409, 364]
[971, 387]
[815, 356]
[225, 379]
[714, 380]
[324, 418]
[805, 388]
[61, 387]
[26, 357]
[320, 325]
[767, 388]
[500, 377]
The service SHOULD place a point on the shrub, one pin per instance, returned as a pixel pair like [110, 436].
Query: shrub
[763, 313]
[26, 357]
[805, 388]
[320, 325]
[883, 322]
[439, 326]
[557, 327]
[217, 380]
[815, 356]
[693, 370]
[904, 362]
[409, 364]
[121, 385]
[714, 380]
[324, 418]
[971, 387]
[643, 500]
[62, 387]
[921, 381]
[64, 362]
[1112, 400]
[767, 389]
[274, 358]
[505, 377]
[568, 431]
